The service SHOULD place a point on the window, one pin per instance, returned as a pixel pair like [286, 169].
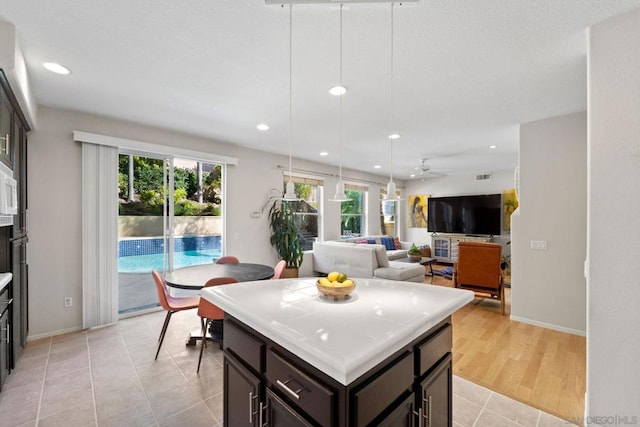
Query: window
[352, 218]
[388, 217]
[306, 211]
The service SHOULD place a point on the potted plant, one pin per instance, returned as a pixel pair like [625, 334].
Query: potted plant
[414, 253]
[284, 233]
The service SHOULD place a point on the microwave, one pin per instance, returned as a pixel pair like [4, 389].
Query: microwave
[8, 195]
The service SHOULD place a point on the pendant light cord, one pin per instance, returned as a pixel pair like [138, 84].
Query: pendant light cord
[340, 100]
[391, 88]
[290, 87]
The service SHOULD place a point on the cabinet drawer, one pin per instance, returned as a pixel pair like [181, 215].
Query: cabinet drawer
[308, 394]
[433, 349]
[387, 386]
[245, 346]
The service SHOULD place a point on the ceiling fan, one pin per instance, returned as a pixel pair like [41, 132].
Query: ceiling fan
[424, 170]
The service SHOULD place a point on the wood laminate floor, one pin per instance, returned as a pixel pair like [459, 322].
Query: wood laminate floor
[540, 367]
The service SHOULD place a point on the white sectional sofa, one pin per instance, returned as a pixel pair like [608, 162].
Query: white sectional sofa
[392, 254]
[363, 260]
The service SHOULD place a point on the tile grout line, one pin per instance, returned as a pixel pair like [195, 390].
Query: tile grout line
[93, 389]
[483, 408]
[44, 376]
[146, 396]
[502, 416]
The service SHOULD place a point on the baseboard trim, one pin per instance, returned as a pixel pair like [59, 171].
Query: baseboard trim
[549, 326]
[53, 333]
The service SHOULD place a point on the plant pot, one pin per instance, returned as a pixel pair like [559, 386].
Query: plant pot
[415, 258]
[290, 273]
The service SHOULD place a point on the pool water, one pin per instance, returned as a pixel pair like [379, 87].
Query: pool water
[146, 263]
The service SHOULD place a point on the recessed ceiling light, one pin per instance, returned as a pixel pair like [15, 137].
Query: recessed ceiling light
[324, 153]
[377, 166]
[54, 67]
[262, 126]
[338, 90]
[394, 136]
[493, 146]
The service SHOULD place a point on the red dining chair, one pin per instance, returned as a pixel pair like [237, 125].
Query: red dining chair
[209, 312]
[170, 304]
[278, 270]
[228, 260]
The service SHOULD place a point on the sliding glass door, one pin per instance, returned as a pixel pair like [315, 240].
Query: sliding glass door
[169, 217]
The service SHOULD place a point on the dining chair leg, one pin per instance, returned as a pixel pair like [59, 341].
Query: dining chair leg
[163, 332]
[204, 324]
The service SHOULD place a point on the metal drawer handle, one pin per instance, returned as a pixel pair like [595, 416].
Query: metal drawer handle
[252, 413]
[286, 388]
[419, 415]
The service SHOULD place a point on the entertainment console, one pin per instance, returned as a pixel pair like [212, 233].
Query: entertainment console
[445, 246]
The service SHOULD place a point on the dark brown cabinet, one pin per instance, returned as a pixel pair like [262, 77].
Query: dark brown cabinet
[242, 394]
[435, 396]
[404, 415]
[6, 131]
[279, 414]
[5, 335]
[266, 385]
[14, 237]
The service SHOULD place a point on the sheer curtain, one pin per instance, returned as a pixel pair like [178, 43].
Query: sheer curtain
[99, 234]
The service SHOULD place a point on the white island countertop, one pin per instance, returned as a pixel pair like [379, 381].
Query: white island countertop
[343, 339]
[5, 278]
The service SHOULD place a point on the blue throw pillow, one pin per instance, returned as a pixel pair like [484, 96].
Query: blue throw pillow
[371, 241]
[388, 243]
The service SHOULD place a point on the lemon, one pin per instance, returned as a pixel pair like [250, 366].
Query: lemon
[324, 281]
[347, 282]
[333, 276]
[341, 277]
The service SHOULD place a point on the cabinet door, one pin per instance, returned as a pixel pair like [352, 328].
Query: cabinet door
[4, 345]
[403, 416]
[279, 414]
[6, 148]
[435, 396]
[242, 395]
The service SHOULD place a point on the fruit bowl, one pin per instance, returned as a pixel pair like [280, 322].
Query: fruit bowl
[336, 292]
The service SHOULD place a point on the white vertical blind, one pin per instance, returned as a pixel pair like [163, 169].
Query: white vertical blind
[99, 235]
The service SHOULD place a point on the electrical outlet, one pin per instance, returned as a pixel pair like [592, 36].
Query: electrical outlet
[539, 245]
[68, 301]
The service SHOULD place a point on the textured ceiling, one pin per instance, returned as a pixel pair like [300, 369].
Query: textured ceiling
[466, 72]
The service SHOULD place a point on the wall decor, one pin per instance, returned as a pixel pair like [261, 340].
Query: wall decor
[418, 211]
[509, 205]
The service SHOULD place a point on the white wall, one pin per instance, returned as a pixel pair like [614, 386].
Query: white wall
[458, 185]
[55, 238]
[613, 343]
[549, 285]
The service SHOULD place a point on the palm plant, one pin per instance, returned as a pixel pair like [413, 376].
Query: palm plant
[284, 232]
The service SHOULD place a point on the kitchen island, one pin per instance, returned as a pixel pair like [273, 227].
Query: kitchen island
[380, 357]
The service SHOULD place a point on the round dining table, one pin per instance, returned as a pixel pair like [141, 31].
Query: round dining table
[193, 278]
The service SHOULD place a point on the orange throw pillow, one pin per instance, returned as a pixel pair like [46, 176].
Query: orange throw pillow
[396, 242]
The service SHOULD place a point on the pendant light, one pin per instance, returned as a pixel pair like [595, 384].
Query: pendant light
[391, 186]
[290, 193]
[340, 195]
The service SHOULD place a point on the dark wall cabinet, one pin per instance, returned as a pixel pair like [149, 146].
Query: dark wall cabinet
[14, 238]
[5, 334]
[266, 385]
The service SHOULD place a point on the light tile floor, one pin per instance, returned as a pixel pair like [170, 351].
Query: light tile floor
[108, 377]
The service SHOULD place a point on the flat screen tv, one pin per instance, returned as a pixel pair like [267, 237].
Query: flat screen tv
[475, 215]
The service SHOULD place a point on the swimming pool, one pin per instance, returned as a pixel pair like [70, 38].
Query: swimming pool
[141, 255]
[146, 263]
